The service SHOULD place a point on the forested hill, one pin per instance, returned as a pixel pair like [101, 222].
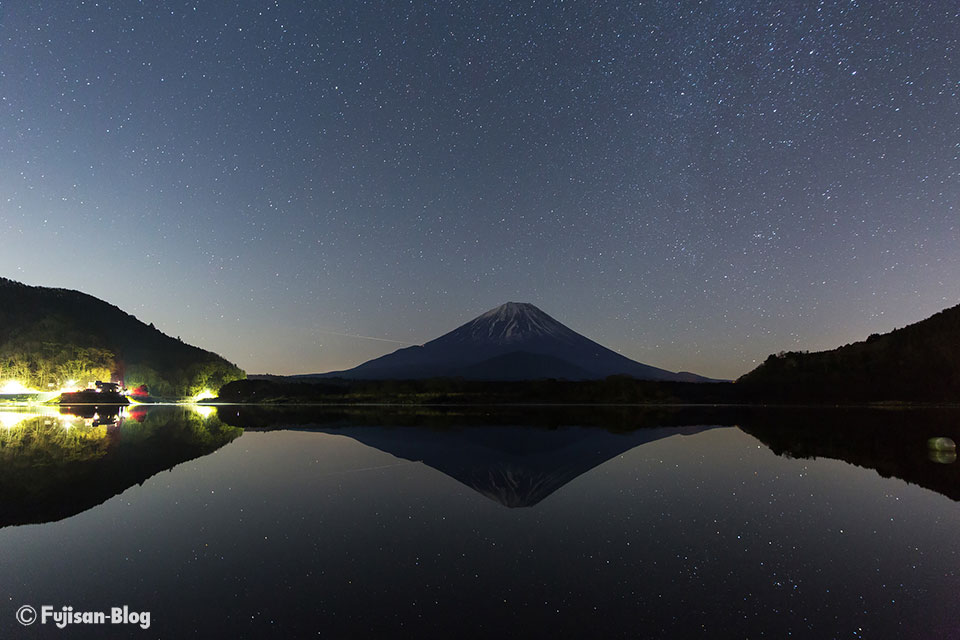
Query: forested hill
[920, 362]
[49, 336]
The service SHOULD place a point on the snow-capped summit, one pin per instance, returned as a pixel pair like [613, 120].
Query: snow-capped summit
[511, 322]
[515, 341]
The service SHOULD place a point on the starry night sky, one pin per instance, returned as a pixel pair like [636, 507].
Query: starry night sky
[696, 185]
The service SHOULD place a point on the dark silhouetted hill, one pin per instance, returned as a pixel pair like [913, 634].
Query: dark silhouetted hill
[920, 362]
[49, 336]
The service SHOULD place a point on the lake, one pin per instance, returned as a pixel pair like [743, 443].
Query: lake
[483, 522]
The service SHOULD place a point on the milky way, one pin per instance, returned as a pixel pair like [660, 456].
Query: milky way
[693, 184]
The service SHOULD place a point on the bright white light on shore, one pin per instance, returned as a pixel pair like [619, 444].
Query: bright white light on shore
[15, 386]
[204, 395]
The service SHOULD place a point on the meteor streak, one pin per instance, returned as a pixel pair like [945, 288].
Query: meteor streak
[354, 335]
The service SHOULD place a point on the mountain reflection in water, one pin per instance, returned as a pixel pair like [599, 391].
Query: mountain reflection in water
[513, 465]
[685, 531]
[893, 442]
[57, 464]
[518, 455]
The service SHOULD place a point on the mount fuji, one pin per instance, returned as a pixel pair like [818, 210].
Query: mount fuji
[515, 341]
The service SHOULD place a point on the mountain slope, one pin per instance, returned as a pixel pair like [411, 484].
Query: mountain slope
[49, 336]
[522, 337]
[521, 365]
[918, 362]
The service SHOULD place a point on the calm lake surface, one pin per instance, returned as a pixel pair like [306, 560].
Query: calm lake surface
[238, 522]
